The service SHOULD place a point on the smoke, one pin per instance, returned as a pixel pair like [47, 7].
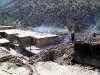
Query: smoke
[50, 28]
[44, 28]
[98, 23]
[94, 28]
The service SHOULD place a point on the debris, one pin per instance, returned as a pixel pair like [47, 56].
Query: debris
[87, 51]
[6, 71]
[56, 53]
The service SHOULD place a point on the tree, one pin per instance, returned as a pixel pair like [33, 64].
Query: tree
[10, 22]
[77, 28]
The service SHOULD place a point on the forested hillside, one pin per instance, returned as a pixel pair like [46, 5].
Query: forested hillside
[50, 12]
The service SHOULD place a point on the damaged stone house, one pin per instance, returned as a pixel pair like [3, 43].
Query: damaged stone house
[23, 39]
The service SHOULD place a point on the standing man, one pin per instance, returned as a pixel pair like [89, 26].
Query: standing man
[73, 36]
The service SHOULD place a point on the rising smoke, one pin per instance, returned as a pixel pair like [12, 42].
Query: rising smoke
[98, 23]
[95, 28]
[44, 28]
[50, 29]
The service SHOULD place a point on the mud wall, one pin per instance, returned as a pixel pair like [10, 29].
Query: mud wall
[24, 40]
[10, 37]
[2, 34]
[42, 42]
[6, 45]
[85, 49]
[87, 53]
[6, 27]
[47, 41]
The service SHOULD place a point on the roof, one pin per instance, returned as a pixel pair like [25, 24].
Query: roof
[4, 41]
[6, 26]
[37, 35]
[12, 31]
[43, 35]
[23, 33]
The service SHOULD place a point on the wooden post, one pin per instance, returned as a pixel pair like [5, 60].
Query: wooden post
[30, 46]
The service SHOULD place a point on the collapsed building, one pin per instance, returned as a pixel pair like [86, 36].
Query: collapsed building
[85, 50]
[46, 46]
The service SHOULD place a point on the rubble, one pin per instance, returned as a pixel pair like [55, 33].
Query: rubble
[61, 53]
[27, 49]
[87, 50]
[10, 63]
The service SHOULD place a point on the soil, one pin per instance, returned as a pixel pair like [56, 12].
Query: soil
[53, 61]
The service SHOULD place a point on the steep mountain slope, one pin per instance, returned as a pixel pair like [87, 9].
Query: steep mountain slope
[60, 12]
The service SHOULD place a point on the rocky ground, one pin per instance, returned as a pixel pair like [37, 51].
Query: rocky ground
[55, 60]
[52, 68]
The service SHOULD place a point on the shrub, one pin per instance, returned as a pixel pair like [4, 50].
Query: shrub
[77, 28]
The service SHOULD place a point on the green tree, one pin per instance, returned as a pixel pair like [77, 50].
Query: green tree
[10, 22]
[77, 28]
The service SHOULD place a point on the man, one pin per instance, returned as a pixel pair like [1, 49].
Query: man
[73, 36]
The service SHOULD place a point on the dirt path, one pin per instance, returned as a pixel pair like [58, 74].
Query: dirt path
[51, 68]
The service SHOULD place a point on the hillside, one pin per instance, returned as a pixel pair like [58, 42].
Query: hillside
[50, 12]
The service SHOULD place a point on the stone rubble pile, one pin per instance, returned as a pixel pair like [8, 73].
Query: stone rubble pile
[63, 52]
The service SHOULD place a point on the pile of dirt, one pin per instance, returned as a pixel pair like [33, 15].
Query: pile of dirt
[10, 64]
[51, 61]
[61, 53]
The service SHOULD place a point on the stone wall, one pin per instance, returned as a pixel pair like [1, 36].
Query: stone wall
[87, 53]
